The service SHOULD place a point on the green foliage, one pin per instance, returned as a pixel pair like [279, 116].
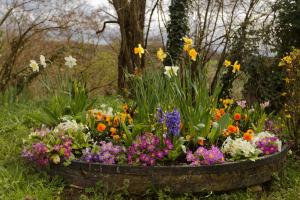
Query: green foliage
[287, 29]
[73, 103]
[291, 67]
[264, 82]
[177, 28]
[190, 97]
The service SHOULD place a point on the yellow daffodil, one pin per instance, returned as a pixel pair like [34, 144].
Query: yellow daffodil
[236, 67]
[188, 42]
[161, 55]
[227, 63]
[139, 50]
[193, 54]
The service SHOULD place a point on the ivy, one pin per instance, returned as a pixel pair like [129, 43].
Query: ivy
[177, 28]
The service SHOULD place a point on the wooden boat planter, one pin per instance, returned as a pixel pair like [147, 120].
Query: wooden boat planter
[180, 178]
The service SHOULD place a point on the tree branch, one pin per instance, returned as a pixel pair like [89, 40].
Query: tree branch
[104, 25]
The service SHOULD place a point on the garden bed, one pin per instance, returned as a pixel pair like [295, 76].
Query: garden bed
[181, 179]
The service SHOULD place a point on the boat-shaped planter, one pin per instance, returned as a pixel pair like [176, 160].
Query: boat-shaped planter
[180, 178]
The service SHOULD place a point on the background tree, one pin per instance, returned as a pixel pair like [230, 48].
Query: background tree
[177, 28]
[131, 20]
[287, 29]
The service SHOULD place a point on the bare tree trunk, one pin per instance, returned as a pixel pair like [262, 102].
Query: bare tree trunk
[131, 19]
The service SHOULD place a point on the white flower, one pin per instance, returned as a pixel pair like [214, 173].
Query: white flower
[34, 66]
[215, 124]
[171, 70]
[43, 61]
[265, 104]
[239, 148]
[69, 125]
[70, 62]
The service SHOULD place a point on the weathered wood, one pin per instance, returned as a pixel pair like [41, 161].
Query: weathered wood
[181, 178]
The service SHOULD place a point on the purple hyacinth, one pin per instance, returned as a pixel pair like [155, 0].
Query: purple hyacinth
[173, 122]
[202, 156]
[147, 150]
[268, 145]
[160, 115]
[106, 153]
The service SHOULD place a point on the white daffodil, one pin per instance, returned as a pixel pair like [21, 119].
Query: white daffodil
[34, 66]
[43, 61]
[70, 62]
[171, 70]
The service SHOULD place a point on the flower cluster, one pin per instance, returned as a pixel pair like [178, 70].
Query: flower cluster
[173, 122]
[108, 124]
[203, 156]
[106, 153]
[170, 119]
[239, 148]
[147, 150]
[37, 154]
[268, 145]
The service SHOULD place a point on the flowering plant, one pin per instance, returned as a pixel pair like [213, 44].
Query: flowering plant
[106, 125]
[203, 156]
[106, 153]
[58, 145]
[148, 149]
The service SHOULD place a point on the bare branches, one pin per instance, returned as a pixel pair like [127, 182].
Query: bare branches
[104, 25]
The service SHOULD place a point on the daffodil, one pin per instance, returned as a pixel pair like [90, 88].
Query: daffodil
[188, 42]
[34, 66]
[70, 61]
[161, 55]
[227, 63]
[171, 70]
[236, 67]
[193, 54]
[139, 50]
[43, 61]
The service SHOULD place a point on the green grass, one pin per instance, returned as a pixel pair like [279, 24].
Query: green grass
[18, 180]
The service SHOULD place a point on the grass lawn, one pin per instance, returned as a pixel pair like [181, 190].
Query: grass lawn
[20, 181]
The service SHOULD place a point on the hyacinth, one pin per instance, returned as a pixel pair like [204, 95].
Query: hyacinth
[106, 153]
[268, 145]
[203, 156]
[37, 154]
[173, 122]
[147, 150]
